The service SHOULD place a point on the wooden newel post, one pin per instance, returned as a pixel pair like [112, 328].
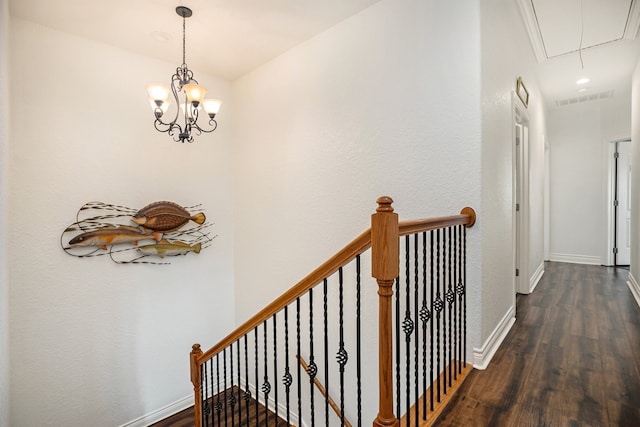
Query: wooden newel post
[385, 268]
[196, 379]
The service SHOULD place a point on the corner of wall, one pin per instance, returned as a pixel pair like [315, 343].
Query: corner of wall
[482, 356]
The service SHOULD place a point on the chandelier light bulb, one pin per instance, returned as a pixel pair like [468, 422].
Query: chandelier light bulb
[195, 93]
[212, 106]
[158, 92]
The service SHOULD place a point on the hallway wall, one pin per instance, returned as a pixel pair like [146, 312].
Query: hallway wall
[384, 103]
[95, 343]
[579, 136]
[635, 183]
[4, 225]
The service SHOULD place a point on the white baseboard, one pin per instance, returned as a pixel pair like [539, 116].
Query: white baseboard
[634, 287]
[162, 413]
[576, 259]
[536, 277]
[482, 356]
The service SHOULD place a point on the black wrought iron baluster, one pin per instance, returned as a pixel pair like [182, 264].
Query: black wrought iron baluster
[298, 364]
[312, 369]
[464, 292]
[425, 315]
[431, 324]
[218, 406]
[266, 386]
[275, 368]
[232, 394]
[416, 313]
[342, 356]
[438, 305]
[224, 379]
[459, 291]
[397, 338]
[358, 346]
[455, 360]
[204, 393]
[325, 309]
[257, 405]
[444, 312]
[407, 327]
[287, 379]
[239, 381]
[213, 392]
[451, 298]
[247, 390]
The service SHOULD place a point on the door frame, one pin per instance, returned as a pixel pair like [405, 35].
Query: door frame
[520, 246]
[608, 258]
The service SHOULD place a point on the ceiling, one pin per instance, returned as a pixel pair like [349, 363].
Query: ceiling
[224, 38]
[230, 38]
[572, 39]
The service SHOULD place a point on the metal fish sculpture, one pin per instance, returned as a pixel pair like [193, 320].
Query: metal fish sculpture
[165, 216]
[166, 248]
[105, 236]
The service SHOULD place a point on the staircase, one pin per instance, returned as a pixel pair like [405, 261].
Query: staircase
[310, 357]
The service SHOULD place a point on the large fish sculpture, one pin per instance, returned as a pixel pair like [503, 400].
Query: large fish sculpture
[165, 216]
[106, 236]
[166, 248]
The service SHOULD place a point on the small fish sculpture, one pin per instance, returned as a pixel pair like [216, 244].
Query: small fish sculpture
[106, 236]
[165, 216]
[166, 248]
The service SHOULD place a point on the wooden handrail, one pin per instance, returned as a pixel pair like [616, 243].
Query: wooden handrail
[348, 253]
[466, 217]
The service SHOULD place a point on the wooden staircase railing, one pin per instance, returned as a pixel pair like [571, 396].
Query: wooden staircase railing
[271, 329]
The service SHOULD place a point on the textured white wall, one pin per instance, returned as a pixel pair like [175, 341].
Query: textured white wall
[384, 103]
[92, 342]
[506, 54]
[635, 176]
[4, 212]
[578, 139]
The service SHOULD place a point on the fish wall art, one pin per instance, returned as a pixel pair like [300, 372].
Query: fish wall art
[137, 236]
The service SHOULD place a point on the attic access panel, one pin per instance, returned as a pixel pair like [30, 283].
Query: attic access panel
[561, 23]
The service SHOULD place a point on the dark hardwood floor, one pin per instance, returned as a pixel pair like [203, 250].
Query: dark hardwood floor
[257, 415]
[571, 359]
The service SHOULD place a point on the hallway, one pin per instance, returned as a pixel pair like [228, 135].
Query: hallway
[571, 359]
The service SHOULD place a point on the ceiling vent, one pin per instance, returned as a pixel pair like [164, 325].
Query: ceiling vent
[584, 98]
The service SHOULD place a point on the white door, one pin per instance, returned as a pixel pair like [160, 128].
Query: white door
[518, 184]
[623, 197]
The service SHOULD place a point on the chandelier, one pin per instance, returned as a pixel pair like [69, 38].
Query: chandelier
[183, 83]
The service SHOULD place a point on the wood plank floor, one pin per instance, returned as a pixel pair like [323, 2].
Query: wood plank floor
[571, 359]
[186, 418]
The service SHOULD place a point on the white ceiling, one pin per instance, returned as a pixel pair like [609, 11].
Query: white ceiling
[226, 38]
[572, 39]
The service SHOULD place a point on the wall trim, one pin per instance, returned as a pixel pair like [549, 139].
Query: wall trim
[536, 277]
[162, 413]
[576, 259]
[482, 356]
[634, 287]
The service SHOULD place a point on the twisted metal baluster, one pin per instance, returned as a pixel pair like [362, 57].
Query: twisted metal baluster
[464, 293]
[416, 285]
[218, 403]
[444, 311]
[358, 345]
[425, 315]
[325, 308]
[255, 336]
[213, 392]
[224, 364]
[232, 398]
[266, 386]
[204, 393]
[451, 298]
[342, 356]
[431, 324]
[438, 305]
[275, 368]
[298, 364]
[312, 369]
[459, 291]
[287, 380]
[455, 306]
[247, 391]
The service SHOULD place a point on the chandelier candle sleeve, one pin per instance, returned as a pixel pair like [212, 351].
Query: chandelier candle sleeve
[188, 95]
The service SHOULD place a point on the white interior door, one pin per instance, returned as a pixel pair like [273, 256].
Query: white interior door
[518, 201]
[623, 198]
